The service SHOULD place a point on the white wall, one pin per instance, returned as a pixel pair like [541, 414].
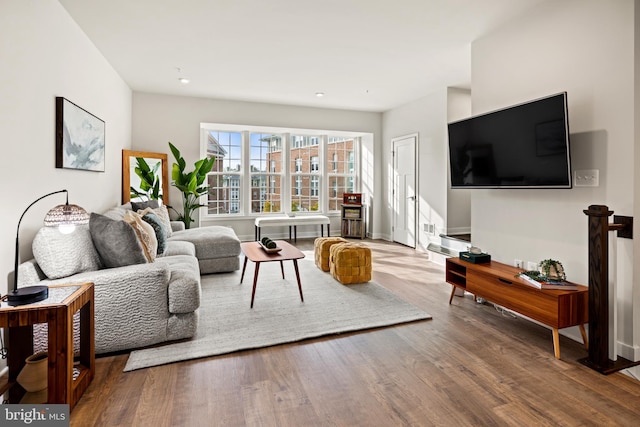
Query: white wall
[158, 119]
[458, 200]
[427, 117]
[584, 47]
[44, 54]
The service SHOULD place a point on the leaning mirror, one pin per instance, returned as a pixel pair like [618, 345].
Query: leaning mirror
[145, 176]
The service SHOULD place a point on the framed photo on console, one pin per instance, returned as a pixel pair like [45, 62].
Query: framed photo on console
[80, 138]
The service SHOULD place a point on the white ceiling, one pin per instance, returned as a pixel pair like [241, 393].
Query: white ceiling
[370, 55]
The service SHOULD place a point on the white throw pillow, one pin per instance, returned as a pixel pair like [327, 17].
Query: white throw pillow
[61, 255]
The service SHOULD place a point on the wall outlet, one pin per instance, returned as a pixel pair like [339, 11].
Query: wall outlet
[532, 266]
[518, 263]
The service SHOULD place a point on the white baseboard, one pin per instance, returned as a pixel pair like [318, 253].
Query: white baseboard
[380, 236]
[629, 352]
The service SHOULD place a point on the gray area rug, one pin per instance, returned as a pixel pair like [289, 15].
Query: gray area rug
[227, 324]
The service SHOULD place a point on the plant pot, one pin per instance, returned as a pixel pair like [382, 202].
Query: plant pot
[33, 376]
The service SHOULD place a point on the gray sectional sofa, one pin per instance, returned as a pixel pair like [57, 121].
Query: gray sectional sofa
[137, 304]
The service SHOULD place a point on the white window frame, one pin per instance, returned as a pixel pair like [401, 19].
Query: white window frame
[325, 172]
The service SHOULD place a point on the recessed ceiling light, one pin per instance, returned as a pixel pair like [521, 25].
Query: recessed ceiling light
[183, 80]
[319, 94]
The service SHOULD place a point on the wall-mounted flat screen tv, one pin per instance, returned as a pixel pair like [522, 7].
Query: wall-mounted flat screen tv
[523, 146]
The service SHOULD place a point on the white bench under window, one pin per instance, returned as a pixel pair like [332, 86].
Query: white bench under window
[292, 222]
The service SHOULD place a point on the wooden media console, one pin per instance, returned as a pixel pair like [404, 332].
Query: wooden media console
[497, 282]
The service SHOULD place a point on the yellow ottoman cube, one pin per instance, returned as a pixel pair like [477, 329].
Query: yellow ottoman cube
[350, 263]
[321, 250]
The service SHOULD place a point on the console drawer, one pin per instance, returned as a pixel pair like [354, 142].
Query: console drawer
[509, 293]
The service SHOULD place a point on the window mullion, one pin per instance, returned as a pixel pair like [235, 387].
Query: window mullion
[286, 167]
[323, 191]
[245, 174]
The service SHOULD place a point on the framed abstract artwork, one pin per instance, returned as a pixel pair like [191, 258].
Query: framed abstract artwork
[80, 138]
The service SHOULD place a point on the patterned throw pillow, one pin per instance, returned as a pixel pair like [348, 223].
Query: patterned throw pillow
[145, 234]
[115, 241]
[163, 214]
[161, 235]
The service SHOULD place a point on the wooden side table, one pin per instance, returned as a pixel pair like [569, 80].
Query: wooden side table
[64, 385]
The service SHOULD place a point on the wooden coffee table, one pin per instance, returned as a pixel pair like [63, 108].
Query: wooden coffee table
[253, 251]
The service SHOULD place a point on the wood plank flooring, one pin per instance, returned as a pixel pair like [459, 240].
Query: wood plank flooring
[469, 366]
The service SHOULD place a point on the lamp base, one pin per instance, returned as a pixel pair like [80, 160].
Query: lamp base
[27, 295]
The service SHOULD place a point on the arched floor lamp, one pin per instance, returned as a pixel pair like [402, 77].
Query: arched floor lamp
[65, 217]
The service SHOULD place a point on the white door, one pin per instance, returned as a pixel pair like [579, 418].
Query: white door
[404, 190]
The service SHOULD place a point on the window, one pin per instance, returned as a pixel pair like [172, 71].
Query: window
[297, 186]
[306, 152]
[224, 179]
[341, 174]
[265, 163]
[261, 170]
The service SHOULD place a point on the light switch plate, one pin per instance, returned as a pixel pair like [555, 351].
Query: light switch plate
[586, 178]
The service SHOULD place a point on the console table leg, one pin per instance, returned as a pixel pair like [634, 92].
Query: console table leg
[453, 291]
[585, 338]
[556, 343]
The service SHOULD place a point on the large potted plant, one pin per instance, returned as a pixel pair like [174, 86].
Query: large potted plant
[191, 184]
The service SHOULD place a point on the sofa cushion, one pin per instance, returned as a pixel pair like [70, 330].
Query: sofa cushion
[138, 206]
[161, 234]
[178, 247]
[117, 213]
[115, 241]
[211, 242]
[144, 232]
[60, 255]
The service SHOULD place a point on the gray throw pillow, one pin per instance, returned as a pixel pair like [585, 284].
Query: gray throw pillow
[138, 206]
[158, 228]
[115, 241]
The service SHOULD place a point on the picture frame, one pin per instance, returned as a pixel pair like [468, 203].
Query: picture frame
[80, 138]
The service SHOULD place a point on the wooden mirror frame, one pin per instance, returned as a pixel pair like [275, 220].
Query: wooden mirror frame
[127, 155]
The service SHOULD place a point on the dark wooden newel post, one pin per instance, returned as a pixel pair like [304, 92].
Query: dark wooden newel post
[599, 287]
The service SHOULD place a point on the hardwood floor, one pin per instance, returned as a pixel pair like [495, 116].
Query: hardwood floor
[469, 366]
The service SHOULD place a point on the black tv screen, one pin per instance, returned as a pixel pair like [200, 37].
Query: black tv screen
[524, 146]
